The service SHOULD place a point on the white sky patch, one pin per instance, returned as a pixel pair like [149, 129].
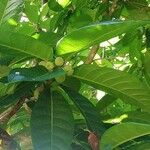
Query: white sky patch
[100, 94]
[24, 19]
[110, 42]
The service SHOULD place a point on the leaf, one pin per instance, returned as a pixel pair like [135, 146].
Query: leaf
[51, 122]
[9, 8]
[23, 89]
[139, 117]
[104, 102]
[31, 10]
[72, 83]
[87, 36]
[33, 74]
[122, 133]
[140, 146]
[15, 43]
[88, 110]
[115, 82]
[146, 67]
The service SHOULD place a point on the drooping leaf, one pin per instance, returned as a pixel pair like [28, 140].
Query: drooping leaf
[88, 110]
[51, 122]
[33, 74]
[122, 133]
[9, 8]
[17, 44]
[87, 36]
[115, 82]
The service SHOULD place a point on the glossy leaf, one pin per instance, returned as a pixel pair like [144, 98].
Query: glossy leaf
[88, 110]
[15, 43]
[9, 8]
[122, 133]
[33, 74]
[87, 36]
[51, 122]
[115, 82]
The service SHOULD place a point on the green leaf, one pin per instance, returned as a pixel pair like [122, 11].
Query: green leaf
[9, 8]
[139, 117]
[51, 122]
[115, 82]
[72, 83]
[122, 133]
[14, 43]
[87, 36]
[88, 110]
[54, 5]
[4, 70]
[146, 67]
[140, 146]
[104, 102]
[21, 90]
[33, 74]
[31, 10]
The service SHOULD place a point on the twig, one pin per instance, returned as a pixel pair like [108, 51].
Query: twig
[92, 54]
[6, 115]
[113, 7]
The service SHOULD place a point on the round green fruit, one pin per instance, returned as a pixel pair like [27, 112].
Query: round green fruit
[60, 79]
[42, 63]
[69, 70]
[49, 66]
[59, 61]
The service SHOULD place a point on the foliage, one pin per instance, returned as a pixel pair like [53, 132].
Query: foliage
[74, 74]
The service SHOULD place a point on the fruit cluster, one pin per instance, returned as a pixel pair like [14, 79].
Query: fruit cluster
[59, 62]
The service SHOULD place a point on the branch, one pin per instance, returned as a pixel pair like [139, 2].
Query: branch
[113, 7]
[6, 115]
[92, 54]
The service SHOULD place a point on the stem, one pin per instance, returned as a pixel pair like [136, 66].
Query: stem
[92, 54]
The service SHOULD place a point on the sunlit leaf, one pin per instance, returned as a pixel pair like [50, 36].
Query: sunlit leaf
[87, 36]
[122, 133]
[9, 8]
[115, 82]
[18, 44]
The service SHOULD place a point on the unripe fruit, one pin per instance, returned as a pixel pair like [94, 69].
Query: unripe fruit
[59, 61]
[42, 63]
[69, 70]
[60, 79]
[49, 66]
